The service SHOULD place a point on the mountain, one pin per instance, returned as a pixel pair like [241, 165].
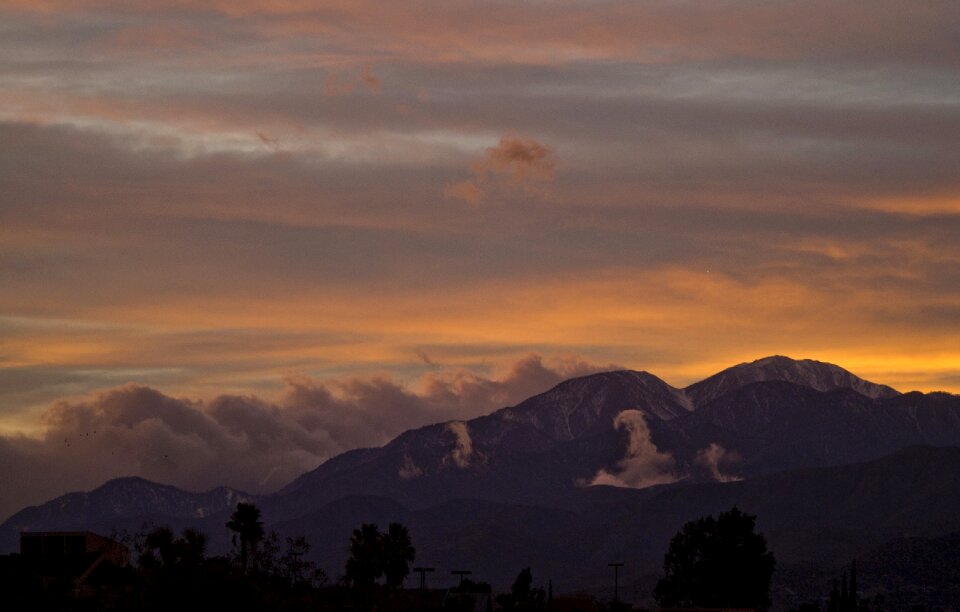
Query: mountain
[828, 461]
[770, 415]
[902, 573]
[804, 372]
[823, 516]
[122, 504]
[536, 450]
[776, 425]
[587, 405]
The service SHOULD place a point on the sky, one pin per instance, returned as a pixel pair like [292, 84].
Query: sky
[238, 237]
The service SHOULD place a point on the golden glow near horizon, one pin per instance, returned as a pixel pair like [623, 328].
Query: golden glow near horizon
[216, 197]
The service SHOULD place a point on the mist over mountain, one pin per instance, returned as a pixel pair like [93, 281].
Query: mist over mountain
[770, 415]
[833, 465]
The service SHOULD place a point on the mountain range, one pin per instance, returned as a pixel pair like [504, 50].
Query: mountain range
[833, 465]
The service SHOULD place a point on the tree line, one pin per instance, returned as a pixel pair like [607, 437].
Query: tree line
[711, 563]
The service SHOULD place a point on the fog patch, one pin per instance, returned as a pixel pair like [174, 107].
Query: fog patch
[643, 465]
[408, 469]
[713, 458]
[463, 447]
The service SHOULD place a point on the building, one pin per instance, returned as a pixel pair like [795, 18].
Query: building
[77, 562]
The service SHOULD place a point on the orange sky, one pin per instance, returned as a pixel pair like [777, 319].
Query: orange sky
[213, 198]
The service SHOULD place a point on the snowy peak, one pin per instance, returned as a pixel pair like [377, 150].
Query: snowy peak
[131, 496]
[807, 372]
[580, 405]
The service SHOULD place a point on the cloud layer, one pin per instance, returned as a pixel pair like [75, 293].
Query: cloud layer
[212, 197]
[244, 441]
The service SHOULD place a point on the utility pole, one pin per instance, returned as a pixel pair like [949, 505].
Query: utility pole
[423, 575]
[461, 573]
[616, 579]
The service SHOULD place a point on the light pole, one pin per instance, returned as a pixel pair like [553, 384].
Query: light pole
[616, 579]
[461, 573]
[423, 575]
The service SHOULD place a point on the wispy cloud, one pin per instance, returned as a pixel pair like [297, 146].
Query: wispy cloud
[643, 465]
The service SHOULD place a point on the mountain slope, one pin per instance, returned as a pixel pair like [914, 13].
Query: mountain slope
[770, 415]
[123, 503]
[775, 425]
[544, 451]
[825, 515]
[805, 372]
[538, 449]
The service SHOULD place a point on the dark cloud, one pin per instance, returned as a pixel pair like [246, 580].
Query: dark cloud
[244, 441]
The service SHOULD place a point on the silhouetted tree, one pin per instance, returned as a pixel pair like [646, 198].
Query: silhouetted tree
[245, 522]
[157, 549]
[295, 568]
[523, 596]
[365, 564]
[847, 597]
[374, 554]
[160, 549]
[191, 547]
[853, 598]
[398, 554]
[717, 563]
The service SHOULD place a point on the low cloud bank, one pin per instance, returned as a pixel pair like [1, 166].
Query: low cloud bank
[245, 441]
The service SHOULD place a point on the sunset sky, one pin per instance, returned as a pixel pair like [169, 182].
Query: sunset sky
[346, 218]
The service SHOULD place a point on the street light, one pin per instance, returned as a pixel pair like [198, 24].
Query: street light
[616, 579]
[423, 575]
[461, 573]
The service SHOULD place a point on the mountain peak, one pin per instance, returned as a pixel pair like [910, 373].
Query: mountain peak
[579, 405]
[807, 372]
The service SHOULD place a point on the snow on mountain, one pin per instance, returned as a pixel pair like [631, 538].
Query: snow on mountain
[752, 419]
[806, 372]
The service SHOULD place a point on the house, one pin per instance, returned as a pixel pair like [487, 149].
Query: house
[79, 562]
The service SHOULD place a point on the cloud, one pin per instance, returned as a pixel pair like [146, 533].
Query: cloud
[659, 31]
[336, 84]
[462, 453]
[516, 163]
[370, 80]
[462, 390]
[713, 458]
[409, 469]
[247, 442]
[643, 465]
[780, 177]
[519, 159]
[468, 191]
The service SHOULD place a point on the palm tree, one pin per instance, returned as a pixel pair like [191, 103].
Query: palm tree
[191, 546]
[245, 521]
[365, 564]
[398, 553]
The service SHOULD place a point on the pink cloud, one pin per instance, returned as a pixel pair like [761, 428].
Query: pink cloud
[516, 163]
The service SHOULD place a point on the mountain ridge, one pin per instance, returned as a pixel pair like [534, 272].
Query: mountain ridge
[770, 415]
[828, 461]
